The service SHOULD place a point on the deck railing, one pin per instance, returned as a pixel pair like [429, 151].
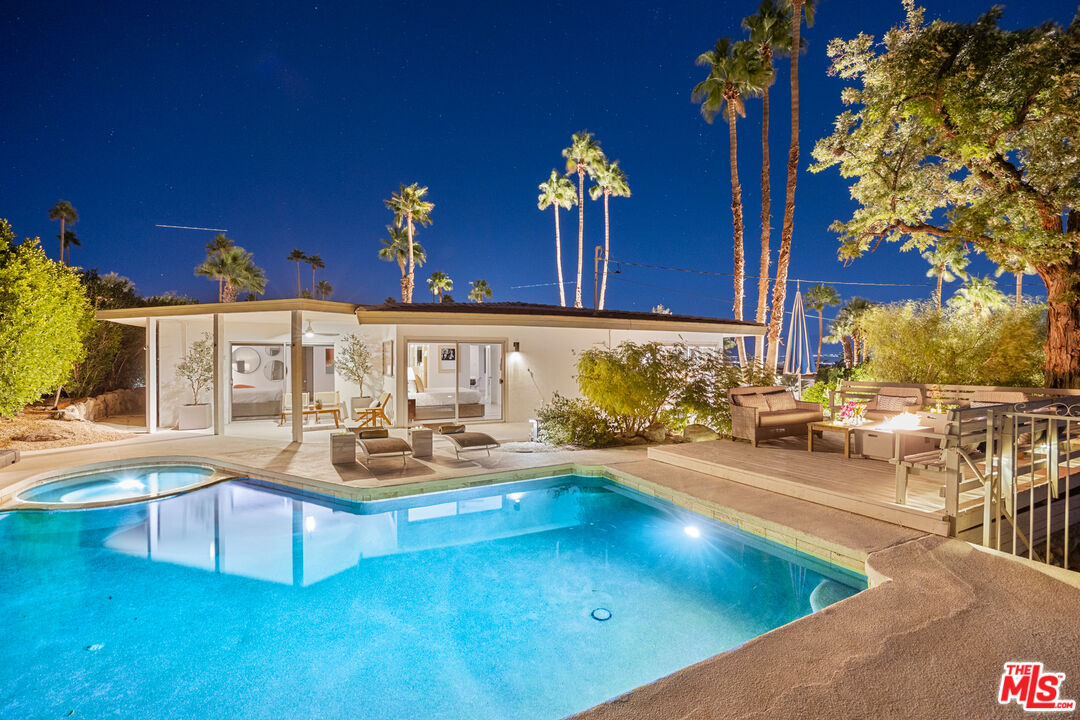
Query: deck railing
[1032, 488]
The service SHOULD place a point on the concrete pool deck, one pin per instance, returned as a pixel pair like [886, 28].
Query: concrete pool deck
[928, 639]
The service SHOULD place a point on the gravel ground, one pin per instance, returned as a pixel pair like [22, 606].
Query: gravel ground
[38, 432]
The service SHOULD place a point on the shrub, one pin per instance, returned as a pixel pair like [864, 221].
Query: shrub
[704, 398]
[914, 342]
[566, 421]
[354, 361]
[197, 366]
[44, 317]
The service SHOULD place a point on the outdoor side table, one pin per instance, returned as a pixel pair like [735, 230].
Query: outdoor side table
[824, 427]
[420, 439]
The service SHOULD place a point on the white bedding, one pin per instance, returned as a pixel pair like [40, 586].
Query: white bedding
[437, 397]
[246, 396]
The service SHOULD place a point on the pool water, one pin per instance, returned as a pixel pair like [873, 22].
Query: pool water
[525, 600]
[116, 485]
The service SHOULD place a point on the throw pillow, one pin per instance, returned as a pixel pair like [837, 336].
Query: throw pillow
[753, 400]
[781, 401]
[374, 434]
[896, 403]
[451, 429]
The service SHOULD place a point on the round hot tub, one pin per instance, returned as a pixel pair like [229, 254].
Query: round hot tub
[117, 485]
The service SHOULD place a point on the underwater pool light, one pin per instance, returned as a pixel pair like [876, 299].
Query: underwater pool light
[692, 531]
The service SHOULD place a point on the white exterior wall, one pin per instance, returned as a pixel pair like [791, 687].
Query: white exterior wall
[546, 363]
[175, 335]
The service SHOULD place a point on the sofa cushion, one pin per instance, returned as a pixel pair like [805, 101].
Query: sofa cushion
[783, 418]
[753, 400]
[781, 401]
[895, 403]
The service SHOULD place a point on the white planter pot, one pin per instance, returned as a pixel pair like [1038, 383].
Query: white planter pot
[194, 417]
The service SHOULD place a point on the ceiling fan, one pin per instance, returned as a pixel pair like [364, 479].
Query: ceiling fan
[309, 333]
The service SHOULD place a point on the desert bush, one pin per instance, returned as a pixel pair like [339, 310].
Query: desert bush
[704, 397]
[567, 421]
[914, 342]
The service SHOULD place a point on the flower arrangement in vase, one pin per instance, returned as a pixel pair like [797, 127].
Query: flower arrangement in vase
[851, 413]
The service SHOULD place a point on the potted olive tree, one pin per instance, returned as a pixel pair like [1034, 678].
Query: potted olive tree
[197, 369]
[354, 364]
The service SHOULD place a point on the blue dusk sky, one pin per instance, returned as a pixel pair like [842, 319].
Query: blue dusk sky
[288, 124]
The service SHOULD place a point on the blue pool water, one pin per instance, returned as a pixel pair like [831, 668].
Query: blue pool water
[242, 600]
[116, 485]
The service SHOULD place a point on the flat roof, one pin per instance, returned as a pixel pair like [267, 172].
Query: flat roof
[502, 313]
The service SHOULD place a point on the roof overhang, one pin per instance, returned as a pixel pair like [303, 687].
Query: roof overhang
[138, 316]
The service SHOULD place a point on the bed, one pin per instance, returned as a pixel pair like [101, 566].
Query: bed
[252, 402]
[438, 404]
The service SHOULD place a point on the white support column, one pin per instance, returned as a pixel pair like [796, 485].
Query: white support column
[221, 366]
[296, 375]
[151, 356]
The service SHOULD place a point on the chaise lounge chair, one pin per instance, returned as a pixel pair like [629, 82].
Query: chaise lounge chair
[374, 416]
[378, 444]
[465, 441]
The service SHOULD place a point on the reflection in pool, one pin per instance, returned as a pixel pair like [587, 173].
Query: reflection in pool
[527, 600]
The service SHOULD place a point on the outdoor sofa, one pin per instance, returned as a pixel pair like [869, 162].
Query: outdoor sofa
[765, 413]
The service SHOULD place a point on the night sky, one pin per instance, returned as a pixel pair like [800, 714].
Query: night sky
[288, 124]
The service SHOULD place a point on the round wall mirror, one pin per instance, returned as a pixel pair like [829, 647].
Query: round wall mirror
[275, 370]
[246, 360]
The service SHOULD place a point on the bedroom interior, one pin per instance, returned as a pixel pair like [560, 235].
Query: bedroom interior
[454, 380]
[260, 377]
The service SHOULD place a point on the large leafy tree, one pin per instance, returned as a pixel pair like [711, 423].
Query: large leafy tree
[610, 182]
[397, 249]
[797, 10]
[948, 262]
[582, 157]
[968, 132]
[410, 209]
[66, 214]
[44, 317]
[735, 72]
[770, 33]
[558, 192]
[817, 299]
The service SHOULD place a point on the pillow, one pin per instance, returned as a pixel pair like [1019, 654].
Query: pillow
[375, 402]
[984, 403]
[245, 387]
[754, 400]
[781, 401]
[895, 403]
[451, 429]
[373, 434]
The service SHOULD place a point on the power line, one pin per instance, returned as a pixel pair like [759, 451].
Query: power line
[756, 277]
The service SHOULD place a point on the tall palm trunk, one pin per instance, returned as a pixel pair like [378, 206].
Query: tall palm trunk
[849, 350]
[784, 260]
[737, 221]
[603, 282]
[580, 230]
[404, 286]
[766, 229]
[937, 295]
[820, 334]
[558, 257]
[299, 290]
[312, 279]
[229, 293]
[412, 260]
[1019, 288]
[61, 260]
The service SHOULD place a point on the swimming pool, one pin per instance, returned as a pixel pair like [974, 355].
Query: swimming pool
[534, 599]
[118, 484]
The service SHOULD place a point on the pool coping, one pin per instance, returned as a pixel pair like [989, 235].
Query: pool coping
[852, 559]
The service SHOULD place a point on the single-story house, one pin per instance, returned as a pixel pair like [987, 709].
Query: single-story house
[490, 362]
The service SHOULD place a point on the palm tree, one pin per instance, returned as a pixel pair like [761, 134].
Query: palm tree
[316, 263]
[559, 192]
[735, 70]
[582, 157]
[840, 332]
[438, 283]
[480, 290]
[610, 182]
[855, 308]
[410, 209]
[66, 214]
[214, 249]
[323, 289]
[66, 242]
[796, 10]
[818, 298]
[396, 249]
[770, 33]
[234, 267]
[297, 256]
[979, 296]
[947, 262]
[1019, 268]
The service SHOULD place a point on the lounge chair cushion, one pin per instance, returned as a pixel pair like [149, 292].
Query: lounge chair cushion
[384, 446]
[779, 418]
[467, 440]
[451, 429]
[781, 401]
[372, 434]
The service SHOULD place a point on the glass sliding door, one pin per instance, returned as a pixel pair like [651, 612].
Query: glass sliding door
[480, 381]
[258, 380]
[454, 381]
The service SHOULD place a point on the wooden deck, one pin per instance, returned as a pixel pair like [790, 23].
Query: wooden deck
[863, 487]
